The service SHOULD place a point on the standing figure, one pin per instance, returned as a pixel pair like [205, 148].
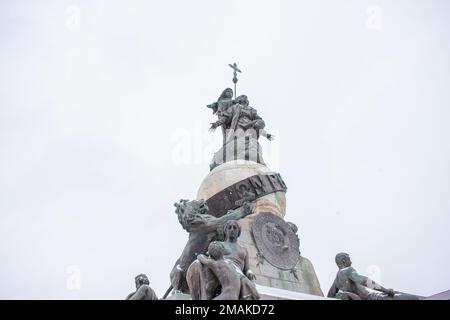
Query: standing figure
[241, 128]
[143, 290]
[223, 108]
[349, 285]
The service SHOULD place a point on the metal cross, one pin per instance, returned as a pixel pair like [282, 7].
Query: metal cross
[235, 79]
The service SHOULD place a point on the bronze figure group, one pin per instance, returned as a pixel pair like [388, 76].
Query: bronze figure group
[212, 265]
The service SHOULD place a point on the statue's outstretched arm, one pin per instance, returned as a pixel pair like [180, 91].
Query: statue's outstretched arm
[367, 282]
[212, 223]
[269, 136]
[217, 124]
[246, 209]
[204, 260]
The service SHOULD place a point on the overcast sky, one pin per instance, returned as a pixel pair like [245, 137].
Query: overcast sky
[103, 126]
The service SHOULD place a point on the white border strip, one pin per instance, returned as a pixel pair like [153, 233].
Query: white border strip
[286, 294]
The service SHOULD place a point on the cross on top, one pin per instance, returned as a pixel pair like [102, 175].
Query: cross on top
[235, 70]
[235, 67]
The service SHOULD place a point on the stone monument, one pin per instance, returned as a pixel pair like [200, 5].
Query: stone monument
[240, 246]
[240, 189]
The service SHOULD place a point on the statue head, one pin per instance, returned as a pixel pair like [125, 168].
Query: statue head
[190, 212]
[226, 94]
[343, 260]
[216, 250]
[232, 230]
[140, 280]
[242, 100]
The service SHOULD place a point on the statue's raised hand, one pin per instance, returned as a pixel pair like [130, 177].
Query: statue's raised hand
[213, 127]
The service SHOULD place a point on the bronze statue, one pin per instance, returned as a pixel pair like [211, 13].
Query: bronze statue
[143, 289]
[241, 128]
[205, 284]
[349, 285]
[236, 114]
[203, 228]
[246, 121]
[223, 108]
[223, 270]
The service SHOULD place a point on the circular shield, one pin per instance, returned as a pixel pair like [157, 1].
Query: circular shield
[276, 241]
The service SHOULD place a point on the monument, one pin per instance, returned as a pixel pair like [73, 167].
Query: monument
[240, 247]
[239, 244]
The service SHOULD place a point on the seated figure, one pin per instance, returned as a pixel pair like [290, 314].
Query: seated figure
[349, 285]
[203, 282]
[224, 270]
[143, 290]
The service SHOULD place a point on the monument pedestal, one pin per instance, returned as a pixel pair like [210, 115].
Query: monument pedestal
[220, 189]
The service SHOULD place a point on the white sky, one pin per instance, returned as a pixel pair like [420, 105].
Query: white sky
[92, 117]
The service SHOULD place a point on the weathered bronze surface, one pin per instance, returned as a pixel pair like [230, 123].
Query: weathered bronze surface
[276, 241]
[241, 128]
[143, 289]
[203, 228]
[226, 274]
[230, 198]
[350, 285]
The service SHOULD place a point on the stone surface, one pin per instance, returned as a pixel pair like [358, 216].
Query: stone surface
[445, 295]
[249, 189]
[270, 293]
[242, 148]
[234, 171]
[268, 275]
[179, 296]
